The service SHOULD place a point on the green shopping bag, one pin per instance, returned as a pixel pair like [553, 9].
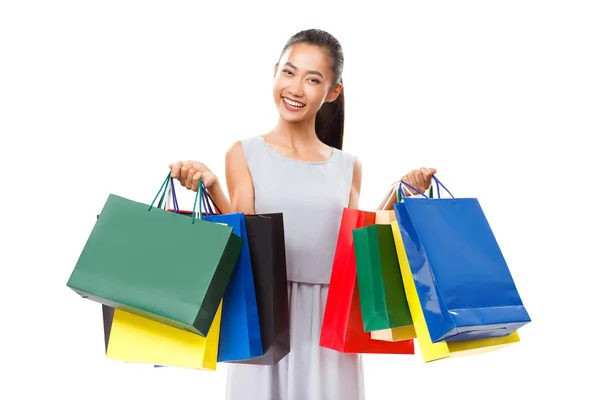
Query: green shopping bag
[157, 264]
[380, 288]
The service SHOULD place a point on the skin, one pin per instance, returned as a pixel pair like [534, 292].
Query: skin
[304, 74]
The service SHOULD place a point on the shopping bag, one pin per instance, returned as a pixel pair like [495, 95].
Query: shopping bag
[132, 338]
[107, 318]
[464, 284]
[382, 297]
[240, 329]
[342, 329]
[157, 264]
[240, 337]
[266, 240]
[385, 217]
[436, 351]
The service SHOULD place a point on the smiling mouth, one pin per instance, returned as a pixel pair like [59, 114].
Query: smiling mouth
[292, 104]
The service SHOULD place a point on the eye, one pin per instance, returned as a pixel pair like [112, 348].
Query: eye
[286, 71]
[314, 80]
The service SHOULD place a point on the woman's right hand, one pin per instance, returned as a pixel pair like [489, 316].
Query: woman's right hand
[189, 174]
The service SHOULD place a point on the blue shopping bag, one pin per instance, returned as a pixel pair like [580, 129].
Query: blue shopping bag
[463, 281]
[240, 337]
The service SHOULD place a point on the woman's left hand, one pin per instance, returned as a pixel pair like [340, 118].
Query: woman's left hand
[419, 179]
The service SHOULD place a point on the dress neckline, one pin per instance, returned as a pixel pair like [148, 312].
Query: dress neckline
[333, 153]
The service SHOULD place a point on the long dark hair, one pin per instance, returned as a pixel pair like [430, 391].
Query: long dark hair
[330, 117]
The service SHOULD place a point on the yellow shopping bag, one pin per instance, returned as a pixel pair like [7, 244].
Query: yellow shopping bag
[137, 339]
[386, 217]
[436, 351]
[395, 334]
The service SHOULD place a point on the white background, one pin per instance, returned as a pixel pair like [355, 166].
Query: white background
[503, 98]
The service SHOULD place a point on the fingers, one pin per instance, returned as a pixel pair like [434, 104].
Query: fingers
[193, 179]
[414, 179]
[175, 169]
[189, 173]
[427, 174]
[186, 171]
[196, 181]
[419, 180]
[189, 179]
[405, 189]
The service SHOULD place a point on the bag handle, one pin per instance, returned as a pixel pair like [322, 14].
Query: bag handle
[207, 205]
[168, 191]
[206, 200]
[198, 196]
[209, 201]
[400, 195]
[163, 189]
[438, 184]
[171, 195]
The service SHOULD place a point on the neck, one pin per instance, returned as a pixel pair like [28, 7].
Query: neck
[296, 132]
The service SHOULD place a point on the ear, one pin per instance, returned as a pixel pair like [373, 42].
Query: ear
[335, 92]
[275, 70]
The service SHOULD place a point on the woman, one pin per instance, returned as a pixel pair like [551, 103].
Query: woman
[300, 170]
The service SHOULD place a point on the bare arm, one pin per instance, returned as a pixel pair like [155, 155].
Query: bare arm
[219, 198]
[356, 185]
[239, 180]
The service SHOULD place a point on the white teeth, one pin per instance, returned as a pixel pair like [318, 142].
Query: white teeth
[293, 103]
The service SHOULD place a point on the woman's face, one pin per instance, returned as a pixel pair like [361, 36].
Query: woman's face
[303, 82]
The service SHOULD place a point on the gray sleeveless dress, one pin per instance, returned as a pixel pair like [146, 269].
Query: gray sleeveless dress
[311, 196]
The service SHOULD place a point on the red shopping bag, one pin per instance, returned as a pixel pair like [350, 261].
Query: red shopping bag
[342, 328]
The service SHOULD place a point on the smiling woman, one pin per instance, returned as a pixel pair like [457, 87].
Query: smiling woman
[304, 151]
[300, 170]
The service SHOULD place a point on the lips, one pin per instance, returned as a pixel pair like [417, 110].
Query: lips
[292, 105]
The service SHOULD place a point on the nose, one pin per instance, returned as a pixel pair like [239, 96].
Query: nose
[296, 88]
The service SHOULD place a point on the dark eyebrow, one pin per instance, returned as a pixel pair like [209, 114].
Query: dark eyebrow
[289, 64]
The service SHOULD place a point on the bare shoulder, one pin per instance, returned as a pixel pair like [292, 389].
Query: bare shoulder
[239, 180]
[357, 166]
[235, 157]
[235, 161]
[236, 151]
[241, 150]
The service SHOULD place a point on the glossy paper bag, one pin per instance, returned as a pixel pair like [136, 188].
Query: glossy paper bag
[435, 351]
[240, 337]
[462, 279]
[342, 329]
[266, 242]
[157, 264]
[132, 338]
[385, 217]
[382, 297]
[266, 239]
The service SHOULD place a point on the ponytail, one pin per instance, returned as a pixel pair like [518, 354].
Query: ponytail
[329, 124]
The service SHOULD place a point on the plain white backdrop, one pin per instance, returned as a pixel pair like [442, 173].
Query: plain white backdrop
[503, 98]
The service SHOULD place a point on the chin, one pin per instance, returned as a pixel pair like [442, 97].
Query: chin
[291, 116]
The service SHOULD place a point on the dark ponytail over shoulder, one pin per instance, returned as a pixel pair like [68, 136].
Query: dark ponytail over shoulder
[330, 122]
